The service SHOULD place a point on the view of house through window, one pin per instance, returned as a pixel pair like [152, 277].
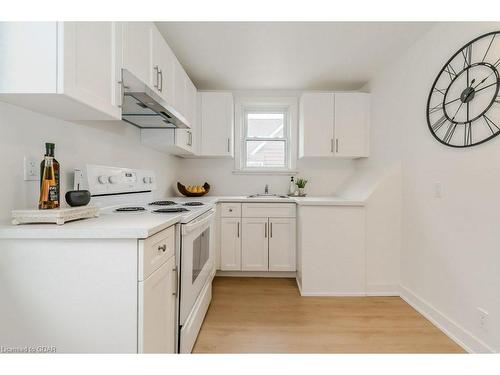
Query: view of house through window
[266, 142]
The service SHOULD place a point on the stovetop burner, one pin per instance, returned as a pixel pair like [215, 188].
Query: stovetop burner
[170, 210]
[193, 204]
[130, 209]
[162, 203]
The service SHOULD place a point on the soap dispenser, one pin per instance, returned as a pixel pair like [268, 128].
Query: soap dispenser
[292, 188]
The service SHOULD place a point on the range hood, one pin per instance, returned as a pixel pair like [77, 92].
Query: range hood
[144, 108]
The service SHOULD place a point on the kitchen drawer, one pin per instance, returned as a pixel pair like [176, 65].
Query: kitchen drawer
[230, 209]
[268, 210]
[155, 250]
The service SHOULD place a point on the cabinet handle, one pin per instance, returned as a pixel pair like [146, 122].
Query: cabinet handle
[337, 145]
[162, 248]
[157, 70]
[238, 229]
[271, 230]
[176, 284]
[228, 145]
[160, 88]
[265, 230]
[120, 90]
[331, 145]
[190, 138]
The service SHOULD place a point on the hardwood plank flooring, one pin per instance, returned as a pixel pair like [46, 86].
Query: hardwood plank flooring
[268, 315]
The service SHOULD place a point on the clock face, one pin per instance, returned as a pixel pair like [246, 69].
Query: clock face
[463, 108]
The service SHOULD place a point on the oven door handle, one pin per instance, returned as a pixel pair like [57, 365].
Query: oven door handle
[187, 228]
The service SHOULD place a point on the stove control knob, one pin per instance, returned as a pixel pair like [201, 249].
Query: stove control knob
[145, 180]
[114, 179]
[151, 180]
[102, 179]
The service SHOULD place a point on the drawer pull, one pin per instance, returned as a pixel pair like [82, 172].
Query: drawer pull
[230, 210]
[162, 248]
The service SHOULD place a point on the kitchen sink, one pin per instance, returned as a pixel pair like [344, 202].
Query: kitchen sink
[270, 196]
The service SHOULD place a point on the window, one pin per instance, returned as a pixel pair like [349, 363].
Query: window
[265, 138]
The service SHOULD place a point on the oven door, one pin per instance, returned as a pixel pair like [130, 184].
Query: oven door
[197, 260]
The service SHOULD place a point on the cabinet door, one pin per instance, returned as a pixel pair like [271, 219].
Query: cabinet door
[282, 244]
[230, 244]
[162, 67]
[316, 120]
[352, 112]
[179, 88]
[217, 119]
[157, 310]
[22, 44]
[91, 51]
[137, 49]
[254, 244]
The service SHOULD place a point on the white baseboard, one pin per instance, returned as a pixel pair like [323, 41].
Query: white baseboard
[382, 290]
[460, 335]
[285, 274]
[332, 294]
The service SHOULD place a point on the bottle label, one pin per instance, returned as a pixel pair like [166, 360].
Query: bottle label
[53, 196]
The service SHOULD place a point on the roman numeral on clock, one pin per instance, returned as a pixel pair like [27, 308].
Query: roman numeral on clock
[439, 123]
[449, 133]
[468, 134]
[451, 72]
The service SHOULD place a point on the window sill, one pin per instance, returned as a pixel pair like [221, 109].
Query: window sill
[288, 172]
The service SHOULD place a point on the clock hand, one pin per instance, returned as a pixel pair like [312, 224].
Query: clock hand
[476, 91]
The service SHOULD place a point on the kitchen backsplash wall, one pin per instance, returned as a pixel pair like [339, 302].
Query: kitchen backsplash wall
[324, 176]
[24, 133]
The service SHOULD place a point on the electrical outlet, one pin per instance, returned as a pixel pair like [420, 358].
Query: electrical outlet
[31, 169]
[483, 319]
[438, 190]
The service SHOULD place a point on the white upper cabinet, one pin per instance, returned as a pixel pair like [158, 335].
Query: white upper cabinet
[352, 119]
[78, 61]
[217, 124]
[162, 67]
[316, 124]
[137, 46]
[179, 88]
[334, 125]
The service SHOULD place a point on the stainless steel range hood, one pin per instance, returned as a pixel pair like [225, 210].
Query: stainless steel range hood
[144, 108]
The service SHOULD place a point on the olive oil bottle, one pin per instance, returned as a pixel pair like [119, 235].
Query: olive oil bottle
[49, 181]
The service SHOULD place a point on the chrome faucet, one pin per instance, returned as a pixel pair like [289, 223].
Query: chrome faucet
[266, 189]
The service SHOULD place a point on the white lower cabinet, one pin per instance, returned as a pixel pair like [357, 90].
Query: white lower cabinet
[282, 252]
[257, 243]
[254, 248]
[157, 311]
[230, 244]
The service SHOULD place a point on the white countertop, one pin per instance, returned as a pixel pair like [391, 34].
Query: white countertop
[142, 225]
[127, 225]
[301, 201]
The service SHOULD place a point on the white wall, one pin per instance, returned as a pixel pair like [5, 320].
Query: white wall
[450, 254]
[23, 132]
[324, 176]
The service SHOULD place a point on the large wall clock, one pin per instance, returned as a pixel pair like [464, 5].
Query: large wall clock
[463, 108]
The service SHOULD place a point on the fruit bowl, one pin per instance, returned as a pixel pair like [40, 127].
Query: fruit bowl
[182, 189]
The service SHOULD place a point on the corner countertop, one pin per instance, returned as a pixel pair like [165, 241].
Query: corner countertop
[138, 226]
[301, 201]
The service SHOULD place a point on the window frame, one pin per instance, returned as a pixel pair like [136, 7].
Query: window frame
[255, 103]
[245, 138]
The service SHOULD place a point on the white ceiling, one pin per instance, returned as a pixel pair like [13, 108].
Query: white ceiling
[287, 55]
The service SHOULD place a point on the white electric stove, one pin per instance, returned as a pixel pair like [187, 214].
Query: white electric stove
[128, 195]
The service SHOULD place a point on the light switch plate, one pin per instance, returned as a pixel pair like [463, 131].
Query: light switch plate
[31, 169]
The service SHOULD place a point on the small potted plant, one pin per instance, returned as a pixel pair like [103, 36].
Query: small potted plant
[301, 185]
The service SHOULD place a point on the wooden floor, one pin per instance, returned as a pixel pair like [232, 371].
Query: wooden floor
[264, 315]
